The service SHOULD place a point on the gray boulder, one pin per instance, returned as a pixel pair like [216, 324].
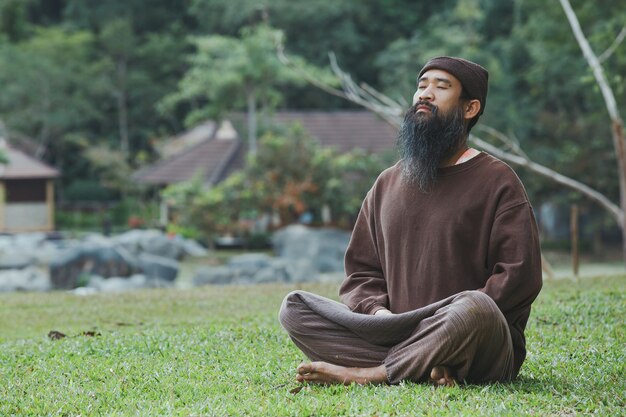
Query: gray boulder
[119, 284]
[14, 259]
[164, 246]
[21, 250]
[324, 248]
[256, 268]
[158, 267]
[300, 270]
[217, 275]
[27, 279]
[193, 248]
[66, 268]
[155, 242]
[72, 265]
[244, 267]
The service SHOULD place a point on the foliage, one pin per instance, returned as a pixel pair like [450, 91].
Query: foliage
[112, 169]
[294, 174]
[209, 210]
[96, 215]
[225, 72]
[289, 176]
[221, 351]
[49, 81]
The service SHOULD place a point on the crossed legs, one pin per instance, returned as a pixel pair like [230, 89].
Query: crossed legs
[466, 339]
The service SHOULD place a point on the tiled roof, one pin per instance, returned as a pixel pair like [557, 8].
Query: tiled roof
[220, 152]
[344, 130]
[209, 159]
[193, 136]
[22, 166]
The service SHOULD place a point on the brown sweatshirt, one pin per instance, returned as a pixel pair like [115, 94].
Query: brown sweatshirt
[475, 230]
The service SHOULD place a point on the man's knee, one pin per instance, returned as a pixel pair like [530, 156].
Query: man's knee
[478, 310]
[288, 314]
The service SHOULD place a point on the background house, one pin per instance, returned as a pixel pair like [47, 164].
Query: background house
[344, 130]
[210, 150]
[26, 193]
[214, 152]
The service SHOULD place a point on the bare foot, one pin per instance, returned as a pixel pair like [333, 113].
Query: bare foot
[327, 373]
[442, 376]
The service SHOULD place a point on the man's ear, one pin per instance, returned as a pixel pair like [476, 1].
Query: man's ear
[471, 109]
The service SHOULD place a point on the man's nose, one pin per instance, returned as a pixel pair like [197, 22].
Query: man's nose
[426, 94]
[423, 95]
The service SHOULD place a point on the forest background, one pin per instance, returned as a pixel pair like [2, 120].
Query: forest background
[92, 87]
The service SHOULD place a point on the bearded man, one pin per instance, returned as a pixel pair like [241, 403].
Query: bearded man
[443, 263]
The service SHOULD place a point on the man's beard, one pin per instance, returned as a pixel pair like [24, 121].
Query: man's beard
[427, 140]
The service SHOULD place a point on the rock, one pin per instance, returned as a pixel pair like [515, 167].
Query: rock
[244, 267]
[99, 284]
[15, 260]
[27, 279]
[193, 248]
[84, 291]
[300, 270]
[158, 267]
[164, 246]
[119, 284]
[71, 262]
[21, 250]
[153, 242]
[28, 240]
[324, 248]
[266, 275]
[331, 250]
[130, 240]
[110, 261]
[256, 268]
[219, 275]
[68, 269]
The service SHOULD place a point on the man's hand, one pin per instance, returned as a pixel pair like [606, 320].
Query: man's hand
[383, 312]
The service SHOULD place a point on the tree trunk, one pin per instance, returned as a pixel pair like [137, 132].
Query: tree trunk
[252, 125]
[122, 107]
[617, 131]
[620, 142]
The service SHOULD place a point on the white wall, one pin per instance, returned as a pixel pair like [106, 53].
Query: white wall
[26, 216]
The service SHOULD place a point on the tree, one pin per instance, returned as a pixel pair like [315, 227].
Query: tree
[226, 72]
[52, 86]
[118, 41]
[13, 23]
[617, 123]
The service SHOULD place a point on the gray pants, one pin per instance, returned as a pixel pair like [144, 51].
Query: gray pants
[465, 332]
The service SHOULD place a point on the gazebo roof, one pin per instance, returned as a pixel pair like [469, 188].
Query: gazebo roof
[23, 166]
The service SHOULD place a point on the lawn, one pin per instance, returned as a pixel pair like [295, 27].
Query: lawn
[221, 351]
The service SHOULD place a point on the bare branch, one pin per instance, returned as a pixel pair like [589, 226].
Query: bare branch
[584, 189]
[617, 124]
[592, 60]
[306, 75]
[392, 111]
[616, 42]
[511, 142]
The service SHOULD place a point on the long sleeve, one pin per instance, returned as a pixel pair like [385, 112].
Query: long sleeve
[514, 260]
[364, 290]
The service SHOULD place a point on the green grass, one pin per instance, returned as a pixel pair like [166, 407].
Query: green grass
[221, 351]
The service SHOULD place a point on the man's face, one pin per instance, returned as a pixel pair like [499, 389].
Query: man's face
[434, 128]
[437, 90]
